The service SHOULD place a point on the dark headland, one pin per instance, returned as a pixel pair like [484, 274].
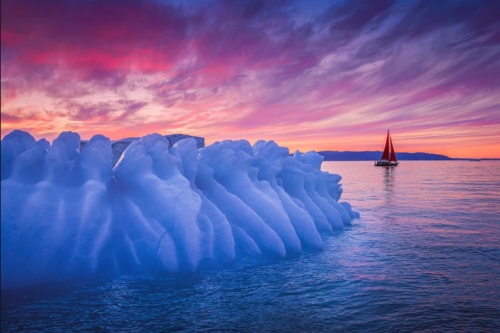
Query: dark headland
[119, 146]
[375, 155]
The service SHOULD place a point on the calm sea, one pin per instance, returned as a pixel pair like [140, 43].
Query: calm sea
[425, 256]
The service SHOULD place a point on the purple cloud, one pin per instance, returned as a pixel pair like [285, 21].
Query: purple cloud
[253, 67]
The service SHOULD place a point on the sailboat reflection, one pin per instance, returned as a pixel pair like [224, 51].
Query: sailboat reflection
[389, 183]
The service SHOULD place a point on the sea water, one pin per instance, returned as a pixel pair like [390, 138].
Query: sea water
[425, 256]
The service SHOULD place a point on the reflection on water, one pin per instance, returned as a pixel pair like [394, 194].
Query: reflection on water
[389, 182]
[425, 256]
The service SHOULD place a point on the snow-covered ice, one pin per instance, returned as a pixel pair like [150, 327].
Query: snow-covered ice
[69, 214]
[119, 146]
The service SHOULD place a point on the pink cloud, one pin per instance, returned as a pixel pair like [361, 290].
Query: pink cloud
[249, 69]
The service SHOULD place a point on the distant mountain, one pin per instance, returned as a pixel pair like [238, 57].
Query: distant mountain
[119, 146]
[375, 156]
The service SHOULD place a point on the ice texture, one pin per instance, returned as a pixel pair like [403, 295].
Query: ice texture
[119, 146]
[69, 213]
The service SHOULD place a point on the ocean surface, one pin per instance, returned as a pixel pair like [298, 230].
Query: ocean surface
[424, 256]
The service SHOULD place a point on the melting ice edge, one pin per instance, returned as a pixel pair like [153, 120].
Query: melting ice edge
[68, 214]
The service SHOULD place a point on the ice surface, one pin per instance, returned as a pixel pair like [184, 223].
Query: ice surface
[14, 144]
[119, 146]
[69, 214]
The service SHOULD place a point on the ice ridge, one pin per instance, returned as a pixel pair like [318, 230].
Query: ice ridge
[68, 213]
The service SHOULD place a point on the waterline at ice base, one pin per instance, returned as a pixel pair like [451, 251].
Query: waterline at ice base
[68, 214]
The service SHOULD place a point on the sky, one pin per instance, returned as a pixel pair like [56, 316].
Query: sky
[310, 75]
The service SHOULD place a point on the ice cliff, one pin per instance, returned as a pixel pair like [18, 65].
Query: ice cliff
[166, 205]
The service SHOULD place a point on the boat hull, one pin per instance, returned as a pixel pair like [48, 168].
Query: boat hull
[383, 163]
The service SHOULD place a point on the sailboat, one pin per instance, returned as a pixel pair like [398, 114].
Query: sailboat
[389, 155]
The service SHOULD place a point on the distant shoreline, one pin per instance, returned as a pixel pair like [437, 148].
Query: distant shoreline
[375, 155]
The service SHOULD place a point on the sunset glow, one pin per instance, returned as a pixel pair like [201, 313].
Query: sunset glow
[311, 75]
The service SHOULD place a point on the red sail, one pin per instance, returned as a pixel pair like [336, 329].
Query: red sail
[393, 153]
[385, 155]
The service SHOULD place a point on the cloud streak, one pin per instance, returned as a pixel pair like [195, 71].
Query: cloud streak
[321, 75]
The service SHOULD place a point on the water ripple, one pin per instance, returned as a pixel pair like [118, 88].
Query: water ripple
[424, 257]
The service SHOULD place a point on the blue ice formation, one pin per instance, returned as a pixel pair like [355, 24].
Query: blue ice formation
[70, 214]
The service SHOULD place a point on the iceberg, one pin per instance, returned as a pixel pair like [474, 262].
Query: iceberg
[119, 146]
[73, 209]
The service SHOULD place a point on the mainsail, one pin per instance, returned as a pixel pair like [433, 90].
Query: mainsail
[393, 153]
[385, 155]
